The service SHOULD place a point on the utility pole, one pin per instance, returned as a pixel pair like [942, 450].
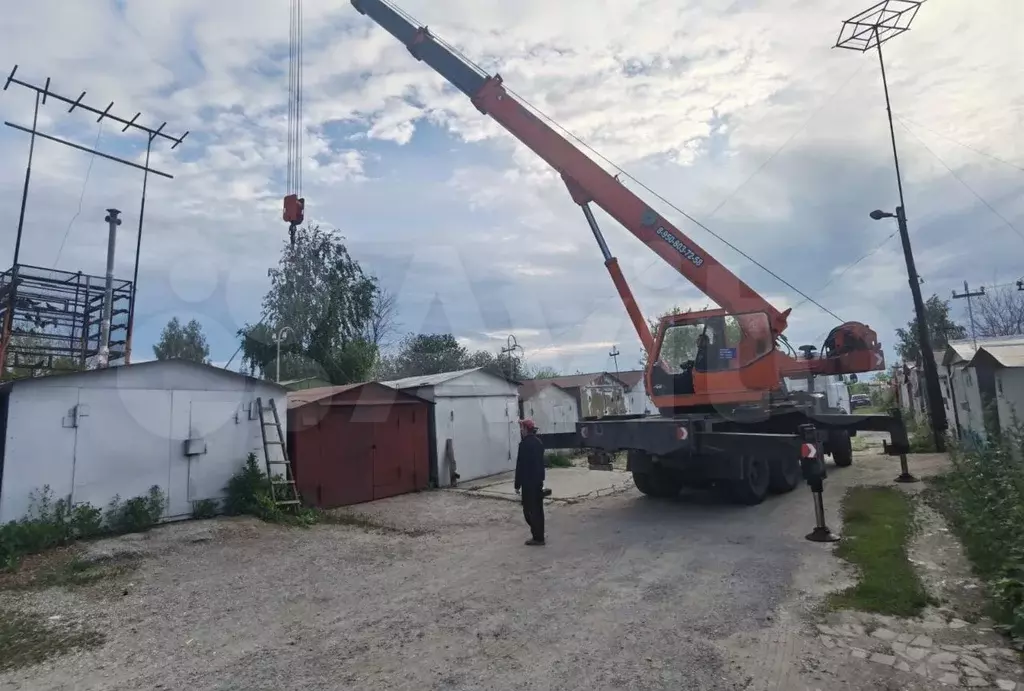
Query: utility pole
[103, 359]
[970, 309]
[862, 32]
[614, 355]
[278, 338]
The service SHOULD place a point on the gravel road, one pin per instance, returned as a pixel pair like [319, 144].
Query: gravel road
[630, 593]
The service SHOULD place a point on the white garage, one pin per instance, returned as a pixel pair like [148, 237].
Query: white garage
[477, 411]
[91, 436]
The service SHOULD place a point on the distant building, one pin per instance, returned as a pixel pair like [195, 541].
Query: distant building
[307, 383]
[638, 401]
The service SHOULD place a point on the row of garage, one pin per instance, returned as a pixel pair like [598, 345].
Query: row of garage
[187, 428]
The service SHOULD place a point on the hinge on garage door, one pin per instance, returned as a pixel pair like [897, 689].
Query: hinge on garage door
[283, 490]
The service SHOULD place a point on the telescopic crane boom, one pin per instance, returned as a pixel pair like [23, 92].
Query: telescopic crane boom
[755, 368]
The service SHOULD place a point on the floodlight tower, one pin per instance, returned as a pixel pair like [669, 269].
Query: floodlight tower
[865, 31]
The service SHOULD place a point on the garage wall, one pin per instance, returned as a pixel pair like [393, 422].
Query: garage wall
[553, 410]
[107, 433]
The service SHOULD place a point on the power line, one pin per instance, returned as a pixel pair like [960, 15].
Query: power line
[81, 197]
[618, 168]
[855, 263]
[786, 143]
[961, 180]
[959, 143]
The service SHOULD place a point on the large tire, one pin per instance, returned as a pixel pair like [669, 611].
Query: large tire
[658, 483]
[784, 475]
[841, 447]
[753, 488]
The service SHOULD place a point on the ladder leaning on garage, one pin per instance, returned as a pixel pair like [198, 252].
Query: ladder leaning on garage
[282, 484]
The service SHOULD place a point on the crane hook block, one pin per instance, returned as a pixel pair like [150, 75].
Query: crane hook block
[293, 209]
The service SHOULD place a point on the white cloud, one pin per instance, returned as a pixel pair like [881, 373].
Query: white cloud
[691, 98]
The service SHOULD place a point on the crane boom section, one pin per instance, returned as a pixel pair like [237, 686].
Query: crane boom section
[583, 174]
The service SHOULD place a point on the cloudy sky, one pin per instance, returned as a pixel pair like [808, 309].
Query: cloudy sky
[739, 113]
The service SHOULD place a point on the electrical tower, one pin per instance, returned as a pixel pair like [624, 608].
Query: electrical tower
[48, 315]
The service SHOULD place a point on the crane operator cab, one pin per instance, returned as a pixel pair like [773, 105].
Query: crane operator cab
[712, 357]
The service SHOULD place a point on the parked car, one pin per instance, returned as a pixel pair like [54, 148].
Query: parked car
[859, 400]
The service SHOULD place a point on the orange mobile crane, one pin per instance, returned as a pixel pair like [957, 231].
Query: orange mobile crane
[716, 376]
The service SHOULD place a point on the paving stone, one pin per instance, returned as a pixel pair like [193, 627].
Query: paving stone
[905, 637]
[841, 643]
[976, 682]
[949, 678]
[1006, 684]
[948, 667]
[971, 672]
[857, 652]
[917, 654]
[975, 646]
[902, 666]
[884, 634]
[975, 663]
[953, 648]
[990, 652]
[957, 624]
[922, 670]
[828, 631]
[899, 647]
[922, 642]
[858, 629]
[944, 657]
[828, 642]
[883, 659]
[933, 625]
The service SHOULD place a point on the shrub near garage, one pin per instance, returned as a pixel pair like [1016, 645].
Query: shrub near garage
[52, 523]
[983, 499]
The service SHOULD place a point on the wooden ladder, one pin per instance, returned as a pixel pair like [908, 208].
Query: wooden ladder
[283, 490]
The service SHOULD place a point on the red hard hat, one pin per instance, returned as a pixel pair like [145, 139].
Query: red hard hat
[528, 424]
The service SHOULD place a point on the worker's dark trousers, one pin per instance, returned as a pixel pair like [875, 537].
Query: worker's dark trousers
[533, 510]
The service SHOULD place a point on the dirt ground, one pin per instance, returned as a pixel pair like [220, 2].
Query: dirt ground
[630, 593]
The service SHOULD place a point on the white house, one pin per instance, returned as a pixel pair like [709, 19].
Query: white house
[552, 408]
[98, 434]
[477, 412]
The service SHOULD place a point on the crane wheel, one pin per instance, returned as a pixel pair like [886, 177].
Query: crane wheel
[784, 475]
[658, 482]
[841, 447]
[753, 488]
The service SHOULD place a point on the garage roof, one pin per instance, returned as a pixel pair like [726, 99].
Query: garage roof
[381, 394]
[441, 378]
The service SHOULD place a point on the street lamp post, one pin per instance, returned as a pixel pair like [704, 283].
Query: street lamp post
[862, 32]
[278, 337]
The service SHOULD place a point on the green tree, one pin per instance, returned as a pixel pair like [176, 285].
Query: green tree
[323, 295]
[544, 372]
[179, 342]
[941, 329]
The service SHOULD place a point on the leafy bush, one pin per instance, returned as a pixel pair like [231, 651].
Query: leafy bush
[138, 514]
[556, 459]
[48, 524]
[983, 499]
[248, 492]
[245, 488]
[205, 508]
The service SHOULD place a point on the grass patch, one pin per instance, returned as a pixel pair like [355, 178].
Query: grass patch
[877, 523]
[28, 639]
[557, 459]
[982, 499]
